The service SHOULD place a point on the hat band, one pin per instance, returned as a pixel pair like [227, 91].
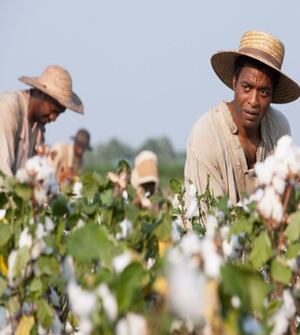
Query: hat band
[262, 54]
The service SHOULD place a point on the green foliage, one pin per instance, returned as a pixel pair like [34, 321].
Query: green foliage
[262, 250]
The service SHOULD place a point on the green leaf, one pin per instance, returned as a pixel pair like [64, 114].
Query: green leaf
[59, 205]
[5, 233]
[292, 231]
[293, 251]
[247, 285]
[24, 191]
[23, 256]
[175, 185]
[90, 242]
[48, 266]
[107, 197]
[3, 286]
[164, 228]
[280, 271]
[90, 183]
[36, 286]
[262, 250]
[45, 313]
[241, 226]
[129, 286]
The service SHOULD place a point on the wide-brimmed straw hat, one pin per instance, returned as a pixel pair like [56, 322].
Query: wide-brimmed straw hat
[82, 138]
[57, 83]
[145, 169]
[265, 48]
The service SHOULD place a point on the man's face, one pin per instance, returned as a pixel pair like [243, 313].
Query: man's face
[253, 91]
[48, 111]
[78, 149]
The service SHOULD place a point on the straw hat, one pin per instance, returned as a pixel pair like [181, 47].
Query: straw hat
[145, 169]
[265, 48]
[57, 83]
[82, 138]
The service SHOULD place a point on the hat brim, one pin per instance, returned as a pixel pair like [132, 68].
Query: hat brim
[74, 103]
[286, 90]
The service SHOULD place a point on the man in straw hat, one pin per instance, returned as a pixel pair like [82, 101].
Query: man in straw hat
[24, 115]
[67, 159]
[226, 142]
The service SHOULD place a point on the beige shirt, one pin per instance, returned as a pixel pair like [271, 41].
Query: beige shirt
[62, 158]
[214, 150]
[18, 139]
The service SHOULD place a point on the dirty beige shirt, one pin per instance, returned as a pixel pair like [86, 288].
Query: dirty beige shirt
[62, 158]
[18, 139]
[214, 149]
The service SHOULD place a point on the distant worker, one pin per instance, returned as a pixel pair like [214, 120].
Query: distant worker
[67, 159]
[144, 176]
[25, 113]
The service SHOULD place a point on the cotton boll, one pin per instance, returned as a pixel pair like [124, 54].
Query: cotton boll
[211, 226]
[132, 324]
[186, 291]
[190, 244]
[37, 249]
[279, 184]
[2, 213]
[120, 262]
[49, 224]
[25, 239]
[265, 170]
[193, 210]
[232, 249]
[11, 266]
[126, 228]
[82, 302]
[77, 189]
[109, 302]
[212, 260]
[40, 231]
[22, 176]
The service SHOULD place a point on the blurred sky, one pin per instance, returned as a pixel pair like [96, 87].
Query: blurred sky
[142, 67]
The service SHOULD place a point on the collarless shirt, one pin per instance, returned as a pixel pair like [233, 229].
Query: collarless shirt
[214, 150]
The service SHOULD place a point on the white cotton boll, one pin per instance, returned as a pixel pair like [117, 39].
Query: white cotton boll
[212, 261]
[232, 249]
[175, 256]
[288, 304]
[192, 190]
[293, 161]
[283, 146]
[85, 327]
[257, 195]
[77, 189]
[277, 212]
[132, 324]
[80, 223]
[82, 302]
[176, 325]
[109, 302]
[190, 244]
[40, 194]
[265, 206]
[120, 262]
[126, 228]
[186, 291]
[150, 262]
[37, 249]
[68, 269]
[265, 170]
[175, 201]
[211, 226]
[2, 213]
[49, 224]
[40, 231]
[175, 234]
[224, 231]
[25, 239]
[22, 176]
[280, 323]
[11, 266]
[235, 301]
[193, 210]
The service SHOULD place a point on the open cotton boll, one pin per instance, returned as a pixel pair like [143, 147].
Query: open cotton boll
[279, 184]
[211, 226]
[212, 260]
[186, 291]
[109, 302]
[120, 262]
[82, 302]
[77, 189]
[132, 324]
[283, 146]
[232, 249]
[265, 170]
[22, 176]
[270, 206]
[190, 244]
[25, 239]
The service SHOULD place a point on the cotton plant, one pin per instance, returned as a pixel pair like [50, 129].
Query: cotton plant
[41, 175]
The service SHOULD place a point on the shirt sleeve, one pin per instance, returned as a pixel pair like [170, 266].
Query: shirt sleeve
[201, 166]
[9, 129]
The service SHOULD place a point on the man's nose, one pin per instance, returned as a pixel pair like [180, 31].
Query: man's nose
[253, 98]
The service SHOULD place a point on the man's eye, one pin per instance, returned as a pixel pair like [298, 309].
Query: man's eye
[264, 93]
[246, 88]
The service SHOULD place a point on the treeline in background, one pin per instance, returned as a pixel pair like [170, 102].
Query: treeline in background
[105, 157]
